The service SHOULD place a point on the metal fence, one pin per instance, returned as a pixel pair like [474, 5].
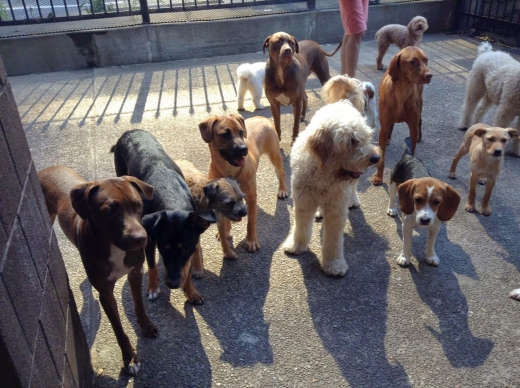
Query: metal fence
[497, 16]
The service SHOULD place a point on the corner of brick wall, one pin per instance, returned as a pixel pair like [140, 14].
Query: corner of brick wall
[42, 343]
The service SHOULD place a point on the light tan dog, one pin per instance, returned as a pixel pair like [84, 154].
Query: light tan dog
[235, 147]
[486, 146]
[401, 36]
[220, 194]
[400, 99]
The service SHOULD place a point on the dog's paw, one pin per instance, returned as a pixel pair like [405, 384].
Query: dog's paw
[260, 106]
[337, 267]
[515, 294]
[252, 246]
[470, 208]
[149, 330]
[452, 175]
[240, 108]
[486, 211]
[197, 273]
[403, 261]
[463, 128]
[392, 212]
[133, 366]
[376, 181]
[380, 67]
[433, 260]
[282, 194]
[289, 246]
[195, 298]
[482, 181]
[153, 293]
[231, 255]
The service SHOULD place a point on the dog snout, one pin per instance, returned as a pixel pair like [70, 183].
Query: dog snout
[497, 153]
[241, 150]
[173, 283]
[133, 240]
[428, 77]
[242, 212]
[425, 220]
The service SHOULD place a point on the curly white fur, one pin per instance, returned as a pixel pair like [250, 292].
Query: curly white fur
[326, 159]
[401, 36]
[494, 79]
[250, 78]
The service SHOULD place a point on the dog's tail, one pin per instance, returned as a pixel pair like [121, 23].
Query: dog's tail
[334, 52]
[244, 71]
[112, 149]
[484, 47]
[407, 145]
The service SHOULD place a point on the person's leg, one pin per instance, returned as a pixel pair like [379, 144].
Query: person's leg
[354, 16]
[350, 53]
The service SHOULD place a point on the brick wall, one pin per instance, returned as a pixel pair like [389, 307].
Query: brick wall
[42, 343]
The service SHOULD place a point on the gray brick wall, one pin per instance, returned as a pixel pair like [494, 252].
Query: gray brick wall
[42, 343]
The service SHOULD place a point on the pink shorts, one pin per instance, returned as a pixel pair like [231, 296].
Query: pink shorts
[354, 15]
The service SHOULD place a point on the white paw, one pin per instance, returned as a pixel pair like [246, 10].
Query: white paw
[337, 267]
[318, 215]
[289, 246]
[133, 368]
[433, 260]
[154, 294]
[259, 106]
[403, 261]
[392, 212]
[515, 294]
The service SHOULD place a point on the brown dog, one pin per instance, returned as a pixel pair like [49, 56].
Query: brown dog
[103, 220]
[221, 194]
[235, 147]
[486, 146]
[400, 99]
[287, 69]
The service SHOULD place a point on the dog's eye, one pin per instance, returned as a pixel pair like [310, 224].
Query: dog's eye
[226, 135]
[353, 142]
[112, 208]
[138, 204]
[436, 202]
[503, 140]
[418, 200]
[426, 61]
[242, 134]
[491, 139]
[413, 62]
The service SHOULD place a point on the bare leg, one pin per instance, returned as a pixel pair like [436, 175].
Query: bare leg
[350, 53]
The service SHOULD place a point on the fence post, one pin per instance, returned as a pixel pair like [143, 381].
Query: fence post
[145, 14]
[311, 4]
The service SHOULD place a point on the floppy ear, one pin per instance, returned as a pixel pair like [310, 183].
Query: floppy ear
[201, 220]
[206, 128]
[296, 46]
[266, 43]
[242, 122]
[480, 131]
[449, 204]
[394, 68]
[211, 191]
[405, 194]
[79, 196]
[512, 132]
[153, 222]
[321, 144]
[143, 188]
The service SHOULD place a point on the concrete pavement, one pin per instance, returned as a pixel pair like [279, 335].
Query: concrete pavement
[274, 320]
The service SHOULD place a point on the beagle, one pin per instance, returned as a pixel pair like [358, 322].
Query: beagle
[486, 146]
[425, 203]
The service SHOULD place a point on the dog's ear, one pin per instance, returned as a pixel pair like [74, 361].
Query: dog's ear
[242, 122]
[143, 188]
[321, 145]
[80, 197]
[405, 193]
[266, 43]
[211, 191]
[395, 67]
[206, 128]
[296, 46]
[449, 204]
[201, 220]
[512, 132]
[480, 131]
[153, 222]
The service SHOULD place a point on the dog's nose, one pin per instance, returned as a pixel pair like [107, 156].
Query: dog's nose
[287, 50]
[428, 77]
[374, 159]
[425, 220]
[241, 150]
[497, 152]
[173, 283]
[242, 212]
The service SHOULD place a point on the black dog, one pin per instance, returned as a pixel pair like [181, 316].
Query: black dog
[169, 218]
[408, 167]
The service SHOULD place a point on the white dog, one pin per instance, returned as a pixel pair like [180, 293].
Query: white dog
[401, 36]
[334, 150]
[493, 79]
[251, 78]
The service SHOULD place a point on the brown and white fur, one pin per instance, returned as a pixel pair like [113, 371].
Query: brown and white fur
[425, 203]
[250, 78]
[486, 146]
[401, 36]
[334, 150]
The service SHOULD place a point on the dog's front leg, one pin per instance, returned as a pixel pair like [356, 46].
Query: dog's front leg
[299, 114]
[334, 220]
[392, 207]
[300, 236]
[197, 268]
[252, 243]
[223, 232]
[485, 208]
[406, 254]
[384, 131]
[187, 286]
[152, 288]
[470, 204]
[275, 111]
[135, 279]
[431, 256]
[108, 302]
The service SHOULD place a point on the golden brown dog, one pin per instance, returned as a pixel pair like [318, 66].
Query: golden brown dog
[287, 69]
[235, 147]
[486, 146]
[220, 194]
[400, 99]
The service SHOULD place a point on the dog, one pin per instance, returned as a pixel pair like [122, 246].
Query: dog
[334, 150]
[170, 218]
[102, 219]
[235, 148]
[250, 78]
[289, 64]
[361, 94]
[494, 79]
[425, 203]
[486, 146]
[223, 195]
[400, 99]
[401, 36]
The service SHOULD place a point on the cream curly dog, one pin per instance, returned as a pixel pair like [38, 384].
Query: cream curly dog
[401, 36]
[334, 150]
[494, 79]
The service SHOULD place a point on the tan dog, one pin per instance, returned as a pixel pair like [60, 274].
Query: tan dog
[103, 220]
[286, 72]
[235, 147]
[220, 194]
[400, 99]
[401, 36]
[486, 146]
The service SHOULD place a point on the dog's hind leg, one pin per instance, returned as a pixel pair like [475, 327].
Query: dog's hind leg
[382, 48]
[463, 150]
[256, 93]
[298, 240]
[241, 92]
[197, 267]
[475, 90]
[392, 207]
[482, 108]
[276, 160]
[334, 219]
[135, 279]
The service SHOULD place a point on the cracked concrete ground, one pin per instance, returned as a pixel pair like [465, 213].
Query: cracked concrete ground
[274, 320]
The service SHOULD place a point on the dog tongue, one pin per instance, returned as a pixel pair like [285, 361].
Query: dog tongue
[240, 161]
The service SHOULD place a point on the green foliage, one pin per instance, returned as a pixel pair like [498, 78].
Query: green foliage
[97, 6]
[4, 15]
